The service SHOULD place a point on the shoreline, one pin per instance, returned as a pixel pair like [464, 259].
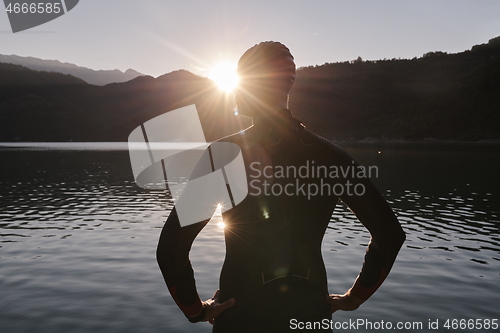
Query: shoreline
[424, 141]
[369, 141]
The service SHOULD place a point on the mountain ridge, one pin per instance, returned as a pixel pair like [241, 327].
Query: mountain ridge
[438, 97]
[54, 107]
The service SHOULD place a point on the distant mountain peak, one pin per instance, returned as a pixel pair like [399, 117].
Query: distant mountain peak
[131, 71]
[96, 77]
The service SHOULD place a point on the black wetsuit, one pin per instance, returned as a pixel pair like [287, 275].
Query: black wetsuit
[273, 266]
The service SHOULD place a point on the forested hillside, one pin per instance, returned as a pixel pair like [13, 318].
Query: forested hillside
[441, 96]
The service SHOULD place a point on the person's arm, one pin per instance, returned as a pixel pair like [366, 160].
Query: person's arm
[387, 237]
[172, 255]
[173, 258]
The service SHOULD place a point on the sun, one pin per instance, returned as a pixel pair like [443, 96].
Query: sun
[224, 75]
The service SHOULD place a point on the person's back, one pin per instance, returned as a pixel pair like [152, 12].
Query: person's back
[273, 238]
[273, 267]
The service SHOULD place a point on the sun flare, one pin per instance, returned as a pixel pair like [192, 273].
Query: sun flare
[224, 75]
[218, 216]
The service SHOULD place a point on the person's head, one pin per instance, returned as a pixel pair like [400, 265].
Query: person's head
[266, 73]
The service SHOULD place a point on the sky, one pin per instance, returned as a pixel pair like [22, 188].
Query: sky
[155, 37]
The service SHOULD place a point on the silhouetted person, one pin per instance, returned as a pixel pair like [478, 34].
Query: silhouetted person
[273, 274]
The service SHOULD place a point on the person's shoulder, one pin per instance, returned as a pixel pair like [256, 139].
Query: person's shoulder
[236, 138]
[322, 144]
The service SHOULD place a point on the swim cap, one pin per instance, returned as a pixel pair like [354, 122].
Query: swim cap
[268, 65]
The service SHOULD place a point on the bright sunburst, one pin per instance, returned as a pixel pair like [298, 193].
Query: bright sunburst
[224, 75]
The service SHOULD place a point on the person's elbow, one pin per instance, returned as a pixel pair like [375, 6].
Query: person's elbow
[400, 237]
[161, 254]
[158, 254]
[395, 235]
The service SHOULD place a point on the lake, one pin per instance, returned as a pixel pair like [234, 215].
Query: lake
[78, 241]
